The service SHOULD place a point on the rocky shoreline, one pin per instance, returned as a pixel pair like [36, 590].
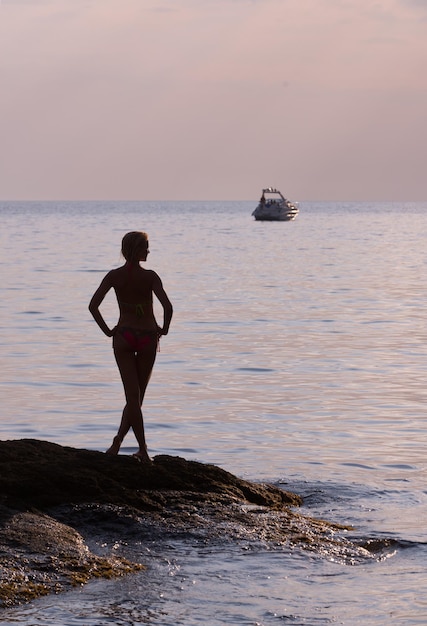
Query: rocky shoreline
[52, 498]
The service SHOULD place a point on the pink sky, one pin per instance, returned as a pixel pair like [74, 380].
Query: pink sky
[213, 99]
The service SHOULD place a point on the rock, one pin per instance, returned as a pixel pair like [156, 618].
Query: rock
[40, 554]
[53, 497]
[42, 475]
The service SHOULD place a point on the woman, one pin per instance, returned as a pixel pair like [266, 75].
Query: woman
[136, 336]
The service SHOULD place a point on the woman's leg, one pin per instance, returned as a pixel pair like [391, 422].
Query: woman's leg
[135, 371]
[121, 434]
[132, 416]
[145, 361]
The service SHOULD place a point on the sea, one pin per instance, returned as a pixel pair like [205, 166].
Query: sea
[297, 356]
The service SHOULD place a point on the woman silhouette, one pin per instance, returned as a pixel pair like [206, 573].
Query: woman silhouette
[136, 336]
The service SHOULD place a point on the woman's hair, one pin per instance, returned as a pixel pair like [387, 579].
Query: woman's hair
[132, 244]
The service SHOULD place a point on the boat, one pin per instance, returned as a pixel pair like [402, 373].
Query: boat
[273, 206]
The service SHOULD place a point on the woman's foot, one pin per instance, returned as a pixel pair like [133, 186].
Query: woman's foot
[142, 456]
[115, 446]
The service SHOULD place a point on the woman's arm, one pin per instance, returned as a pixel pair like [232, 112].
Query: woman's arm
[165, 302]
[96, 301]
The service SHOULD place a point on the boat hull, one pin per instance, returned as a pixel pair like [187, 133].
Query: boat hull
[277, 213]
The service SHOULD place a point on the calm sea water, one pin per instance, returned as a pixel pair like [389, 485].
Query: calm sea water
[297, 355]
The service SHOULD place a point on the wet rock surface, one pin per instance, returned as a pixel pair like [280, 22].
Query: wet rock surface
[55, 500]
[39, 555]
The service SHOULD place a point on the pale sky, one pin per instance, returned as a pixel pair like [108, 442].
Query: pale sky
[213, 99]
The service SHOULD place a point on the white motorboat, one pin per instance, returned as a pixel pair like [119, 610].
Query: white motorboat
[273, 206]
